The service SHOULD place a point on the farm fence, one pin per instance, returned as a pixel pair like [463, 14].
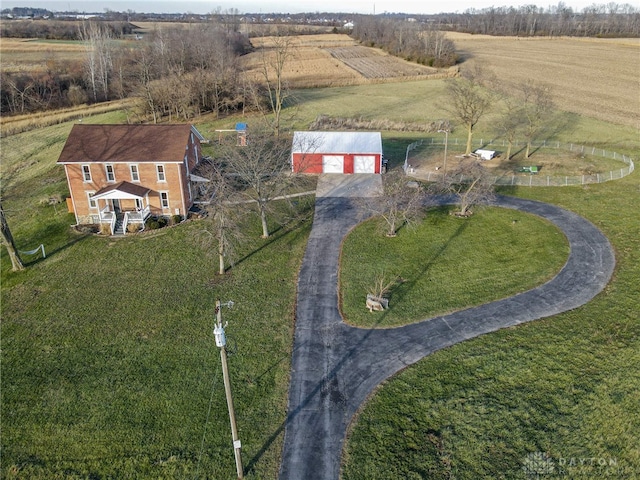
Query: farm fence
[531, 180]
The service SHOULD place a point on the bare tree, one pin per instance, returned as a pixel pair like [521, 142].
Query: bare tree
[98, 62]
[7, 241]
[262, 169]
[401, 202]
[274, 60]
[511, 120]
[471, 184]
[537, 105]
[469, 101]
[223, 223]
[145, 73]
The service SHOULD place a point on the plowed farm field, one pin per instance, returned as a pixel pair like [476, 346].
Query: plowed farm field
[598, 78]
[372, 63]
[335, 60]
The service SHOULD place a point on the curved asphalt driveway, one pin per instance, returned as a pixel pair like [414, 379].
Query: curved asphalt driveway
[335, 366]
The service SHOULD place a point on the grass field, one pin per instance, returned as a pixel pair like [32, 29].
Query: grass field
[566, 386]
[108, 357]
[436, 271]
[108, 362]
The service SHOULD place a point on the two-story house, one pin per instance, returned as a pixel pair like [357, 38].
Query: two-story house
[122, 174]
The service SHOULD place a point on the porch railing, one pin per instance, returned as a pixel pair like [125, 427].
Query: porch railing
[136, 217]
[113, 224]
[106, 215]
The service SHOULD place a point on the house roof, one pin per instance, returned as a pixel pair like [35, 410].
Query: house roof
[126, 143]
[122, 190]
[337, 142]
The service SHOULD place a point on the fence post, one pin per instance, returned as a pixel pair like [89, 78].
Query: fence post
[598, 177]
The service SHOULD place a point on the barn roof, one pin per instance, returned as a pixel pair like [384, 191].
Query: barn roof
[337, 142]
[126, 143]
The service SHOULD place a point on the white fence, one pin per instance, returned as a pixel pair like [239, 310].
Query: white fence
[533, 180]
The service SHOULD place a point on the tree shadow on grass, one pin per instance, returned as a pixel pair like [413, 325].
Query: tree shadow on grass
[328, 384]
[295, 227]
[396, 296]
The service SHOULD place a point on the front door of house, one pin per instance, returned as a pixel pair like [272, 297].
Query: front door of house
[116, 206]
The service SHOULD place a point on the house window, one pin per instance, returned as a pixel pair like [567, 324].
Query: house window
[160, 171]
[138, 204]
[111, 174]
[135, 176]
[86, 173]
[164, 199]
[92, 203]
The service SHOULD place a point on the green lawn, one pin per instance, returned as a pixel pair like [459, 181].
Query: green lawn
[567, 386]
[447, 262]
[108, 359]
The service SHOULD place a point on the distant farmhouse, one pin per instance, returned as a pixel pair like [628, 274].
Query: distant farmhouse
[122, 174]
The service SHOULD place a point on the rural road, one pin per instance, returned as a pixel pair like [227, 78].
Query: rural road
[335, 366]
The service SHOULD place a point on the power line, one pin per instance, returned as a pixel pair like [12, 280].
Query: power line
[206, 422]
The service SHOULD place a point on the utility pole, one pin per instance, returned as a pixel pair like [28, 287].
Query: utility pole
[221, 341]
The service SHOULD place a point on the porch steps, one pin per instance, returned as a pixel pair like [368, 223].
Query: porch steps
[118, 228]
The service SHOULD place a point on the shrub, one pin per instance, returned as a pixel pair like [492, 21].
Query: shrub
[90, 228]
[133, 228]
[105, 229]
[151, 224]
[175, 219]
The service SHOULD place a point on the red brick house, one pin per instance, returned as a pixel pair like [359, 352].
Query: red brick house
[122, 174]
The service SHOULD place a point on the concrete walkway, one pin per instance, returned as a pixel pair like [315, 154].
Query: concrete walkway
[335, 366]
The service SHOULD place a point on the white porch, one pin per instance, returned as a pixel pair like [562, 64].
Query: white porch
[122, 204]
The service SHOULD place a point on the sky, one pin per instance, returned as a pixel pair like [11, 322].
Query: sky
[283, 6]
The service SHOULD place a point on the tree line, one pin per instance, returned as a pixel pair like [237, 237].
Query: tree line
[174, 72]
[610, 20]
[414, 41]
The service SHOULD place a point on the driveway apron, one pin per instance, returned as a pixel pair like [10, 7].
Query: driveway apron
[335, 367]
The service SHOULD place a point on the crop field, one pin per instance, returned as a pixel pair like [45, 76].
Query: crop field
[372, 63]
[599, 78]
[307, 67]
[19, 55]
[336, 59]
